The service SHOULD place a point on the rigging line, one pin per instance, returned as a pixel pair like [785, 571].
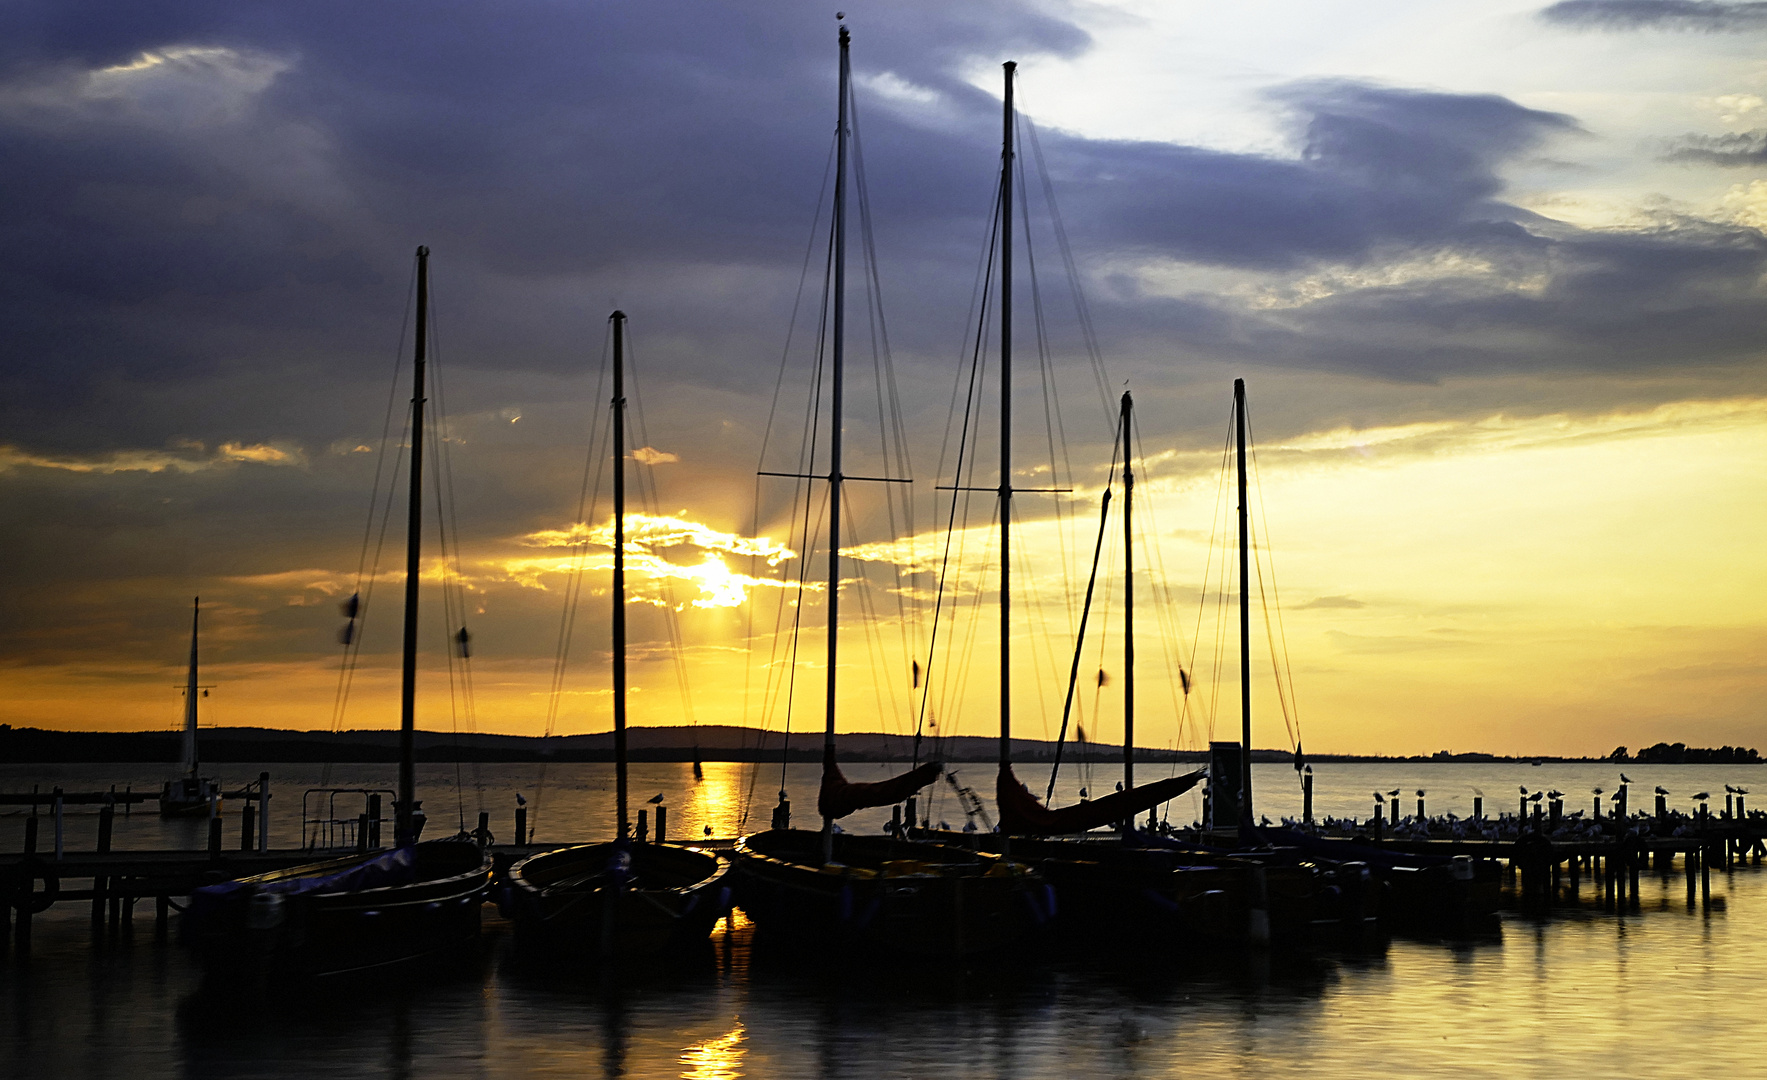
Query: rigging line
[588, 497]
[873, 637]
[807, 461]
[353, 647]
[1285, 669]
[1080, 634]
[890, 422]
[977, 307]
[1270, 638]
[1082, 310]
[1165, 608]
[645, 475]
[766, 437]
[1052, 412]
[1203, 598]
[436, 422]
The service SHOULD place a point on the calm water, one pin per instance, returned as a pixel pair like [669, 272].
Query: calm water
[1582, 993]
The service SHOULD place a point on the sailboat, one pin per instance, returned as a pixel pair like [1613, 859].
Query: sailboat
[618, 899]
[190, 794]
[840, 890]
[375, 910]
[1100, 883]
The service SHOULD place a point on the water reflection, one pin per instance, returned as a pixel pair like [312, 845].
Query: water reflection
[715, 1059]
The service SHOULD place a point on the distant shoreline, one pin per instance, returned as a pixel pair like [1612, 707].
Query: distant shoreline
[24, 746]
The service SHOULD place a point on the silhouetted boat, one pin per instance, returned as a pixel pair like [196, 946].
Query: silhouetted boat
[618, 899]
[373, 909]
[815, 891]
[191, 794]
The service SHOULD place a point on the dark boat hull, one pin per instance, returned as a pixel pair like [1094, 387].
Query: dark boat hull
[883, 896]
[249, 930]
[571, 904]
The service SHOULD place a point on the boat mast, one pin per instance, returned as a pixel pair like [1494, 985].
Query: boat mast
[190, 766]
[1006, 422]
[1245, 624]
[405, 808]
[619, 621]
[1128, 605]
[837, 360]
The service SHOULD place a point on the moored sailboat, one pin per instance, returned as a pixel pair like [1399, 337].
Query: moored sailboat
[618, 899]
[839, 890]
[373, 910]
[192, 793]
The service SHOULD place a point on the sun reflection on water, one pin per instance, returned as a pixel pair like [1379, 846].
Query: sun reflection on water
[715, 1059]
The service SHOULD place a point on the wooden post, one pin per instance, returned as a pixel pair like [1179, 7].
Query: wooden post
[1576, 875]
[662, 823]
[263, 811]
[484, 830]
[214, 838]
[362, 831]
[1705, 878]
[58, 825]
[896, 821]
[247, 822]
[1307, 796]
[1478, 808]
[1662, 807]
[1557, 813]
[1633, 860]
[521, 824]
[911, 815]
[1690, 866]
[643, 826]
[373, 819]
[107, 816]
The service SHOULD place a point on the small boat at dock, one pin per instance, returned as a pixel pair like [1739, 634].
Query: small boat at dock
[373, 909]
[617, 900]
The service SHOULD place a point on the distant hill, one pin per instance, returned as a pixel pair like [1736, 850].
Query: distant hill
[715, 742]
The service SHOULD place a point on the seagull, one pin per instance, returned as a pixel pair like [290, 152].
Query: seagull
[1703, 796]
[1555, 794]
[1524, 790]
[1730, 790]
[1420, 793]
[1624, 779]
[1537, 796]
[1661, 790]
[1595, 791]
[708, 830]
[519, 801]
[1742, 791]
[1379, 798]
[655, 800]
[1394, 793]
[1119, 785]
[1082, 793]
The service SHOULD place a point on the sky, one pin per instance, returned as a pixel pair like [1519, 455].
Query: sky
[1493, 273]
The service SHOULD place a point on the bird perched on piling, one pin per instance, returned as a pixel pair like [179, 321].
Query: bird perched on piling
[1728, 790]
[1661, 790]
[655, 800]
[1379, 798]
[1703, 796]
[1555, 794]
[1523, 789]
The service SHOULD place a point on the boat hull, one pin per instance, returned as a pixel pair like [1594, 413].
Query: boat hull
[249, 929]
[885, 896]
[583, 902]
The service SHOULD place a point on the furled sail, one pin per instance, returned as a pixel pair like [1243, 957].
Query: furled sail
[1020, 812]
[840, 796]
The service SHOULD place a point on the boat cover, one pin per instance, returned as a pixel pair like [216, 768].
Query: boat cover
[839, 796]
[396, 867]
[1021, 813]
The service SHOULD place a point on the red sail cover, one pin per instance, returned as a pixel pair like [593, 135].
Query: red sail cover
[840, 796]
[1020, 812]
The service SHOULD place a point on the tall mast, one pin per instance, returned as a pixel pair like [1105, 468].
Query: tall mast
[190, 767]
[1128, 604]
[619, 622]
[838, 360]
[403, 810]
[1006, 422]
[1245, 624]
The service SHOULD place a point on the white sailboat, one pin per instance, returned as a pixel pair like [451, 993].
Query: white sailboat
[191, 793]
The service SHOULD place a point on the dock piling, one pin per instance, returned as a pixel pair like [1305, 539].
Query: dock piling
[58, 824]
[1478, 808]
[521, 824]
[247, 826]
[662, 823]
[106, 818]
[643, 826]
[263, 812]
[214, 838]
[1307, 796]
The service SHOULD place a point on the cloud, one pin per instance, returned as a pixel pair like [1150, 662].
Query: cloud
[1344, 603]
[1704, 15]
[185, 458]
[1731, 150]
[645, 455]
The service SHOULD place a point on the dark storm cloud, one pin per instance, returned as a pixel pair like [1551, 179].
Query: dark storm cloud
[214, 245]
[1731, 150]
[1657, 14]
